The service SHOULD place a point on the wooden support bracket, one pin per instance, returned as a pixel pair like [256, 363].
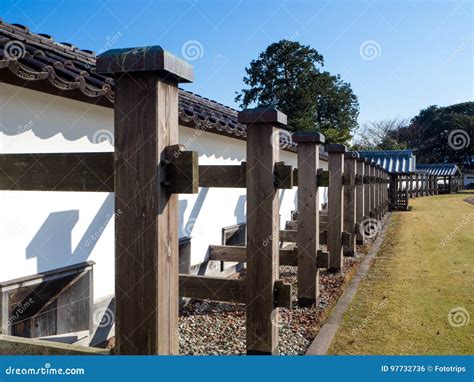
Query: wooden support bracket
[323, 237]
[182, 170]
[282, 294]
[359, 179]
[283, 176]
[346, 238]
[348, 179]
[323, 178]
[322, 259]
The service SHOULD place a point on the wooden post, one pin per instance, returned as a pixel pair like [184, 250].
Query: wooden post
[436, 185]
[378, 193]
[146, 232]
[262, 228]
[335, 205]
[372, 191]
[360, 189]
[307, 238]
[366, 189]
[350, 200]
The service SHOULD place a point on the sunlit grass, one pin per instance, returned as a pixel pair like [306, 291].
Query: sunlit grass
[402, 307]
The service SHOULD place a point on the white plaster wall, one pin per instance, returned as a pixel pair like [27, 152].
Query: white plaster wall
[45, 230]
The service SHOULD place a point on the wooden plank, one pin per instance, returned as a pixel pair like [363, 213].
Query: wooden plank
[262, 227]
[307, 237]
[350, 201]
[335, 205]
[146, 234]
[231, 176]
[57, 172]
[213, 288]
[238, 254]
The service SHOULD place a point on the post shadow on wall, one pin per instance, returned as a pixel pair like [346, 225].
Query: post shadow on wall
[239, 211]
[51, 245]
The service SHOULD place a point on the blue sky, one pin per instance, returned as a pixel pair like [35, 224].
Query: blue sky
[399, 56]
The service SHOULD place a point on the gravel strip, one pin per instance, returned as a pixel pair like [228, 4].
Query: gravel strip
[215, 328]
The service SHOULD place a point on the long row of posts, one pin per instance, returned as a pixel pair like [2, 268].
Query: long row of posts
[146, 196]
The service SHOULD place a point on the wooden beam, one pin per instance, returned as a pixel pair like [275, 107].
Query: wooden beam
[238, 254]
[57, 172]
[335, 205]
[146, 234]
[231, 176]
[262, 227]
[307, 236]
[212, 288]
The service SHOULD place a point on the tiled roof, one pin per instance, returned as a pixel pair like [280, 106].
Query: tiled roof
[439, 169]
[393, 161]
[33, 57]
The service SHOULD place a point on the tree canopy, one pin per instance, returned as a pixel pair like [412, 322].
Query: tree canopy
[288, 76]
[442, 134]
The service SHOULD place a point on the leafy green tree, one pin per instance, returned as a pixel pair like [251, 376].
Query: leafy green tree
[287, 76]
[442, 134]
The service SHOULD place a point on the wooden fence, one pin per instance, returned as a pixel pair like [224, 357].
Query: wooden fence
[149, 169]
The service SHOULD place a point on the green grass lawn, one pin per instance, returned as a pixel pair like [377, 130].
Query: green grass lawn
[424, 270]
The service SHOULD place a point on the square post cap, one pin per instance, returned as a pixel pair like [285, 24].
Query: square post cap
[148, 58]
[335, 148]
[361, 160]
[308, 137]
[377, 166]
[367, 161]
[351, 155]
[372, 164]
[262, 114]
